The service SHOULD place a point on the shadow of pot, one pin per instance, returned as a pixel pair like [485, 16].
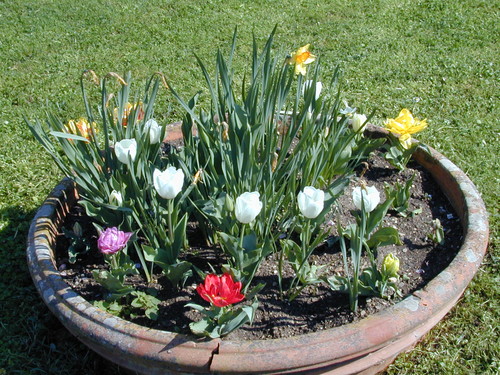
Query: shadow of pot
[364, 347]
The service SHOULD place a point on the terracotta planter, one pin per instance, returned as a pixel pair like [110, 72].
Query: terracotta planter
[365, 347]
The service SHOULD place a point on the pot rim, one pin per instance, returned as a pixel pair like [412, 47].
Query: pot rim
[403, 323]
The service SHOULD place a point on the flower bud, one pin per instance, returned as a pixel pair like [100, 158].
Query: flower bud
[358, 122]
[370, 196]
[311, 202]
[308, 86]
[115, 198]
[154, 131]
[274, 162]
[247, 207]
[390, 266]
[112, 240]
[225, 131]
[169, 182]
[126, 148]
[229, 203]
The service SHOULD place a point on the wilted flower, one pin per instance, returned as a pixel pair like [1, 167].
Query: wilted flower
[198, 176]
[358, 122]
[247, 207]
[112, 240]
[169, 182]
[371, 197]
[81, 127]
[126, 148]
[154, 130]
[405, 125]
[311, 202]
[390, 266]
[307, 86]
[301, 58]
[225, 131]
[115, 198]
[126, 112]
[220, 291]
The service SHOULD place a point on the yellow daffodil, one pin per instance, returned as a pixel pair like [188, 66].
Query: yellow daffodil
[301, 58]
[126, 112]
[80, 127]
[405, 125]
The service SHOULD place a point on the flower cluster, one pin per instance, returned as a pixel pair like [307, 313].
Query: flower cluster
[257, 176]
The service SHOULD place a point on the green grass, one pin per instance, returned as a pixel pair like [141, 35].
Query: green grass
[437, 57]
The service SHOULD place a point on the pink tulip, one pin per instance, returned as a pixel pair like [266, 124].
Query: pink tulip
[112, 240]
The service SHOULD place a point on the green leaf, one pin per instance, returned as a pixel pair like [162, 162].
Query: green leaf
[69, 136]
[205, 327]
[338, 283]
[152, 313]
[376, 217]
[112, 283]
[177, 273]
[254, 291]
[250, 242]
[150, 253]
[383, 237]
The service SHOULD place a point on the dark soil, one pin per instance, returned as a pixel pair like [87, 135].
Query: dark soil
[317, 308]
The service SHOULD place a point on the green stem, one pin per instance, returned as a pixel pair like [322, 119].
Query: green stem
[242, 235]
[305, 255]
[114, 263]
[280, 273]
[170, 229]
[143, 261]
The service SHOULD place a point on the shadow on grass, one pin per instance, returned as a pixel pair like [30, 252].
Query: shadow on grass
[33, 340]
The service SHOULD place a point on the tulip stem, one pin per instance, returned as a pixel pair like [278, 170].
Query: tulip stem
[114, 263]
[170, 229]
[242, 235]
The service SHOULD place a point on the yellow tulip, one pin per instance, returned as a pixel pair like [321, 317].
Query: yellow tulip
[404, 125]
[390, 266]
[126, 112]
[80, 127]
[301, 58]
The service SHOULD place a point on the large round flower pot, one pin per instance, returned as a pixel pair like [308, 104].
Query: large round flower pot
[364, 347]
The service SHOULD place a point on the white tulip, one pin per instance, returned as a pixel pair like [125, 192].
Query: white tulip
[371, 197]
[357, 122]
[154, 130]
[169, 182]
[311, 202]
[247, 207]
[307, 86]
[124, 148]
[116, 198]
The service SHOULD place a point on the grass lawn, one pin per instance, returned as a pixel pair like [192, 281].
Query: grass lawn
[439, 58]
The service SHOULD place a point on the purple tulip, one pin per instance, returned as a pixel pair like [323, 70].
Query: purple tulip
[112, 240]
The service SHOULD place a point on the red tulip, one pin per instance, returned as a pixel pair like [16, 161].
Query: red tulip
[220, 290]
